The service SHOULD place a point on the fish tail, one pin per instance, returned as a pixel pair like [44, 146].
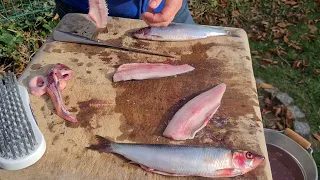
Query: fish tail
[104, 145]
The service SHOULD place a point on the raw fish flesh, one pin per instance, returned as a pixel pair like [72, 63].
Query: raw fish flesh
[195, 114]
[140, 71]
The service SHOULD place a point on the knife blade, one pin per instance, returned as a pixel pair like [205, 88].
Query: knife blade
[75, 38]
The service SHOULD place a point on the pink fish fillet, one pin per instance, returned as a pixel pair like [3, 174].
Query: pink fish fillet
[98, 12]
[140, 71]
[195, 114]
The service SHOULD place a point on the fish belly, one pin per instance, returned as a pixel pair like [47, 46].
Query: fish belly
[185, 161]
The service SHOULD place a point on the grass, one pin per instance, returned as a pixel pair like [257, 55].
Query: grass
[278, 30]
[297, 41]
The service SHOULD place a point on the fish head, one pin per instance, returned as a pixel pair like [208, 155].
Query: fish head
[147, 33]
[142, 33]
[246, 161]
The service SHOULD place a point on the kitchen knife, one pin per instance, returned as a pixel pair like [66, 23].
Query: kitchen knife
[75, 38]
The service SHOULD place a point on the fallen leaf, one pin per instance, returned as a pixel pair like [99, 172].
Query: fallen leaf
[277, 110]
[282, 24]
[235, 13]
[316, 71]
[285, 39]
[266, 111]
[274, 119]
[289, 123]
[300, 82]
[292, 3]
[289, 114]
[296, 64]
[224, 20]
[295, 45]
[270, 61]
[263, 66]
[313, 28]
[255, 52]
[316, 135]
[265, 86]
[268, 101]
[56, 17]
[279, 126]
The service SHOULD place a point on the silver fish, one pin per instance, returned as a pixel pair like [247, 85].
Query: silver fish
[183, 160]
[178, 32]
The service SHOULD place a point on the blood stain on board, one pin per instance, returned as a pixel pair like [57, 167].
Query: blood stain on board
[87, 110]
[36, 66]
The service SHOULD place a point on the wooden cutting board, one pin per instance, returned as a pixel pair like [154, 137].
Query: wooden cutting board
[138, 111]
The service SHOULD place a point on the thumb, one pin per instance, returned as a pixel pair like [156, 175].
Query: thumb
[153, 4]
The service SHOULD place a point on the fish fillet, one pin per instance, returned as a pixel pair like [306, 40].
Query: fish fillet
[195, 114]
[140, 71]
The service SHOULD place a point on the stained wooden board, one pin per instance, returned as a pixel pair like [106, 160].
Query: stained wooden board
[138, 111]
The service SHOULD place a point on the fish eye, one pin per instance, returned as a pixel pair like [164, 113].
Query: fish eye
[249, 155]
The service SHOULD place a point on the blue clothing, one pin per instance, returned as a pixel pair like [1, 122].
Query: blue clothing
[123, 8]
[118, 8]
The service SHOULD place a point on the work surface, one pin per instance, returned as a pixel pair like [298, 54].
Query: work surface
[138, 111]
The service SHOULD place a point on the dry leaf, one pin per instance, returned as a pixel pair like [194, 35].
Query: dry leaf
[279, 126]
[285, 39]
[263, 66]
[235, 13]
[292, 3]
[289, 114]
[282, 24]
[300, 82]
[270, 61]
[224, 20]
[295, 45]
[289, 123]
[268, 101]
[316, 135]
[255, 52]
[296, 64]
[312, 28]
[265, 86]
[274, 119]
[266, 111]
[316, 71]
[277, 110]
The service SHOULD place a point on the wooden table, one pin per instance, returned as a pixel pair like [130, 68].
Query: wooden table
[138, 111]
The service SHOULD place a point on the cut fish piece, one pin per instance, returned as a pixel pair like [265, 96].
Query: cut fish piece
[140, 71]
[195, 114]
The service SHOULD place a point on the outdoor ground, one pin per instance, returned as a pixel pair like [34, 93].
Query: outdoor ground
[283, 35]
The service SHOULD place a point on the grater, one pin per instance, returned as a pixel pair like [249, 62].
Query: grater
[21, 141]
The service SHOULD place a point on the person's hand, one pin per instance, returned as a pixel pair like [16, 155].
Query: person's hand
[163, 18]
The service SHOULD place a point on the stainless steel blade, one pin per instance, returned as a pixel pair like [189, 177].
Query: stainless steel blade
[74, 38]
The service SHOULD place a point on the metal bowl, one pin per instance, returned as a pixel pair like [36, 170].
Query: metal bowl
[302, 157]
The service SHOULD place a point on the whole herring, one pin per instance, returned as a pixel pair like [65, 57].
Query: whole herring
[178, 32]
[183, 160]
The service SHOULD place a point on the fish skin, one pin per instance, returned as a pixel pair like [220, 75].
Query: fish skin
[178, 32]
[195, 114]
[183, 160]
[140, 71]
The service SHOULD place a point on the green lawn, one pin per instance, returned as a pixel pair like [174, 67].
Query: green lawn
[281, 31]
